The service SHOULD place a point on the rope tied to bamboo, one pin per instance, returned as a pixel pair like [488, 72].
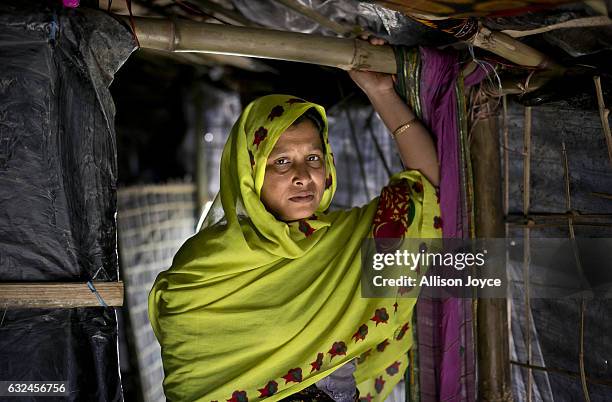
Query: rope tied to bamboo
[93, 289]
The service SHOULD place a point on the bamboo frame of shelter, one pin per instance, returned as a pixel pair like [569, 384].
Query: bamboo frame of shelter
[199, 37]
[528, 221]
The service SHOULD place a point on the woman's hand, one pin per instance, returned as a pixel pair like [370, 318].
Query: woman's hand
[373, 83]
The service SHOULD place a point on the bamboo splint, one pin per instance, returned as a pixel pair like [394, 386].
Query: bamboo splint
[190, 36]
[60, 294]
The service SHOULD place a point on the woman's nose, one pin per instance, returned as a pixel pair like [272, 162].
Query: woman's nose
[301, 174]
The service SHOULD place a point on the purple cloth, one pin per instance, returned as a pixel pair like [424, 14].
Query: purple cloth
[71, 3]
[446, 354]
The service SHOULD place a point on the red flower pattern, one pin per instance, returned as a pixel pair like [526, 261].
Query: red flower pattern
[380, 315]
[393, 369]
[270, 389]
[395, 211]
[316, 365]
[260, 135]
[293, 375]
[367, 398]
[305, 228]
[238, 396]
[361, 333]
[379, 384]
[337, 349]
[276, 112]
[382, 346]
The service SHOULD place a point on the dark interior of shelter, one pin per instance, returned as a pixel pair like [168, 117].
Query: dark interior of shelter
[113, 120]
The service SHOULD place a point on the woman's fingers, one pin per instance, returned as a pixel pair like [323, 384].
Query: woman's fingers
[372, 39]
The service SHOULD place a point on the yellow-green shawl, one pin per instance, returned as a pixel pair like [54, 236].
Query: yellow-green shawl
[254, 308]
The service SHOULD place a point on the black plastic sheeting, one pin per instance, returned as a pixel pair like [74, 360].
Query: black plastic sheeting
[58, 175]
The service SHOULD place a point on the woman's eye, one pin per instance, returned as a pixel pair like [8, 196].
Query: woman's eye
[314, 158]
[283, 161]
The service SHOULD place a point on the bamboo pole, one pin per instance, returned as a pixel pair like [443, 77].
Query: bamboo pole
[568, 206]
[565, 372]
[587, 22]
[559, 219]
[603, 115]
[511, 49]
[347, 54]
[190, 36]
[527, 243]
[59, 295]
[492, 315]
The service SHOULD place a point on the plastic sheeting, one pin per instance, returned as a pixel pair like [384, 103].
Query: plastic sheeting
[391, 25]
[58, 175]
[555, 323]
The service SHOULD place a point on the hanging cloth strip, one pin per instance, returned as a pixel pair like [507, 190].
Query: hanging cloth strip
[443, 363]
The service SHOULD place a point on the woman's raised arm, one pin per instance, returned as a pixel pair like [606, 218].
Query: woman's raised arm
[415, 144]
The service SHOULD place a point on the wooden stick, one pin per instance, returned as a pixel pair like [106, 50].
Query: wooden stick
[526, 242]
[561, 371]
[189, 36]
[603, 115]
[534, 225]
[505, 131]
[602, 195]
[568, 206]
[597, 21]
[491, 314]
[511, 49]
[576, 215]
[558, 219]
[59, 294]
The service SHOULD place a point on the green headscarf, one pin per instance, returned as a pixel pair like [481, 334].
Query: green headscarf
[255, 308]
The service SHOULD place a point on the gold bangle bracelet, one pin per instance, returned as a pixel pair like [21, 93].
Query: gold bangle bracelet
[403, 127]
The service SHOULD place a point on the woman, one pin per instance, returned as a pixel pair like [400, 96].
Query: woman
[265, 300]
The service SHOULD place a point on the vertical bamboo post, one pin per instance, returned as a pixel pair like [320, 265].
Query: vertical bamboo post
[492, 332]
[570, 223]
[603, 115]
[527, 241]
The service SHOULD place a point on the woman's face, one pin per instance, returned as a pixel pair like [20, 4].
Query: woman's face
[295, 173]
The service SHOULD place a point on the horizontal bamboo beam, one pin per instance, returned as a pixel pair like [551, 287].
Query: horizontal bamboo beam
[559, 219]
[565, 372]
[59, 294]
[347, 54]
[511, 49]
[190, 36]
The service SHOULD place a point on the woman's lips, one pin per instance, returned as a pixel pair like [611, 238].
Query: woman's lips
[304, 199]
